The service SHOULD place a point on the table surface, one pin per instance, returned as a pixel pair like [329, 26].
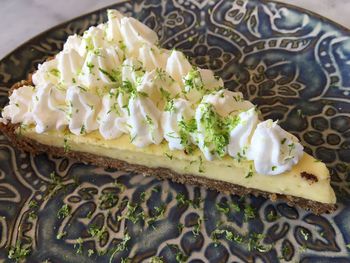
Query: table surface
[23, 19]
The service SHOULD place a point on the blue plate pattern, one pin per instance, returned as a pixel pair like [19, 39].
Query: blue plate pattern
[294, 64]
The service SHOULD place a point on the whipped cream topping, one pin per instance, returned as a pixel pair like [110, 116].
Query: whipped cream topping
[97, 62]
[152, 57]
[136, 34]
[113, 33]
[241, 133]
[49, 108]
[113, 116]
[69, 64]
[47, 73]
[177, 66]
[199, 82]
[74, 42]
[159, 87]
[19, 108]
[145, 126]
[82, 111]
[176, 117]
[115, 79]
[227, 102]
[273, 149]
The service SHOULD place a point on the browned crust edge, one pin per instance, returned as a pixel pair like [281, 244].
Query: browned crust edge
[32, 146]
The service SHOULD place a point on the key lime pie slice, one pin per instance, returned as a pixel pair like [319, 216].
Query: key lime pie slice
[114, 98]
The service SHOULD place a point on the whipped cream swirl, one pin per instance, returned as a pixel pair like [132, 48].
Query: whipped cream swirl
[116, 80]
[113, 116]
[19, 108]
[176, 117]
[272, 149]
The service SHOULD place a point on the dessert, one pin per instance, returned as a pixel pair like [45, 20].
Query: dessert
[114, 98]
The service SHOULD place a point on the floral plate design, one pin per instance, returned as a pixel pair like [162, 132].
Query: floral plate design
[294, 64]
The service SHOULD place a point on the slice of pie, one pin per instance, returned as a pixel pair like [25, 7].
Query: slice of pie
[114, 98]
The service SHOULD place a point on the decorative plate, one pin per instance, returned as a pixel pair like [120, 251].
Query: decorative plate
[294, 64]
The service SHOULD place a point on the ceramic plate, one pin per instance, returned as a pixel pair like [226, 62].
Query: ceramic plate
[294, 64]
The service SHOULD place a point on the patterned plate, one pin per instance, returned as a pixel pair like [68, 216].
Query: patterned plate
[295, 65]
